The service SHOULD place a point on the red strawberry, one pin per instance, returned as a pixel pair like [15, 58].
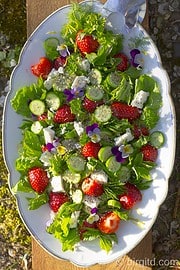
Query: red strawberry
[90, 105]
[56, 199]
[86, 43]
[38, 179]
[92, 187]
[60, 62]
[149, 152]
[124, 111]
[42, 68]
[138, 131]
[124, 63]
[64, 115]
[91, 149]
[130, 197]
[109, 223]
[42, 117]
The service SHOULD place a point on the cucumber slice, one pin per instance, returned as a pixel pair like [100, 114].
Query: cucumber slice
[94, 93]
[53, 101]
[95, 76]
[36, 127]
[114, 79]
[37, 107]
[71, 177]
[112, 164]
[76, 163]
[104, 153]
[157, 139]
[103, 113]
[124, 174]
[50, 46]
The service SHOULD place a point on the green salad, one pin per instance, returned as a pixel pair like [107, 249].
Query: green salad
[87, 146]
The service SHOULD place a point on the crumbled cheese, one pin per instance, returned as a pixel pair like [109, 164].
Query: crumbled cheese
[78, 127]
[45, 157]
[80, 82]
[91, 201]
[85, 65]
[57, 184]
[126, 137]
[100, 176]
[48, 134]
[74, 219]
[139, 99]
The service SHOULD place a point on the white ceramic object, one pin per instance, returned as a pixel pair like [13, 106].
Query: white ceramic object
[129, 234]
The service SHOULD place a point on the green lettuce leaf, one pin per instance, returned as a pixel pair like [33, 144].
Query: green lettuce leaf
[24, 95]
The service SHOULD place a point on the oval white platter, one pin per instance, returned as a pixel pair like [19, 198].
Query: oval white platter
[129, 234]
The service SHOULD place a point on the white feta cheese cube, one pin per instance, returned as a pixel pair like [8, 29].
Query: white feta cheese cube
[126, 137]
[78, 127]
[80, 82]
[57, 184]
[91, 201]
[139, 99]
[48, 134]
[100, 176]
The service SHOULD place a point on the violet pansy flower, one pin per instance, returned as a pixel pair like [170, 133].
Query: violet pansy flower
[63, 50]
[126, 150]
[133, 54]
[73, 93]
[118, 154]
[93, 132]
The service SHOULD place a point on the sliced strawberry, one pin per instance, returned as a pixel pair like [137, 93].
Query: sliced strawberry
[86, 43]
[124, 111]
[130, 197]
[91, 105]
[56, 199]
[64, 115]
[38, 179]
[60, 62]
[149, 152]
[91, 149]
[42, 117]
[42, 68]
[92, 187]
[124, 62]
[138, 131]
[109, 223]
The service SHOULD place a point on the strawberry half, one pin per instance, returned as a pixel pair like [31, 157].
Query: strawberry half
[124, 111]
[92, 187]
[139, 131]
[91, 105]
[91, 149]
[56, 199]
[38, 179]
[109, 223]
[86, 43]
[64, 115]
[124, 62]
[42, 68]
[149, 152]
[130, 197]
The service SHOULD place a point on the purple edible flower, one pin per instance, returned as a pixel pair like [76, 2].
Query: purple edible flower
[93, 132]
[133, 54]
[73, 93]
[63, 50]
[94, 210]
[118, 154]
